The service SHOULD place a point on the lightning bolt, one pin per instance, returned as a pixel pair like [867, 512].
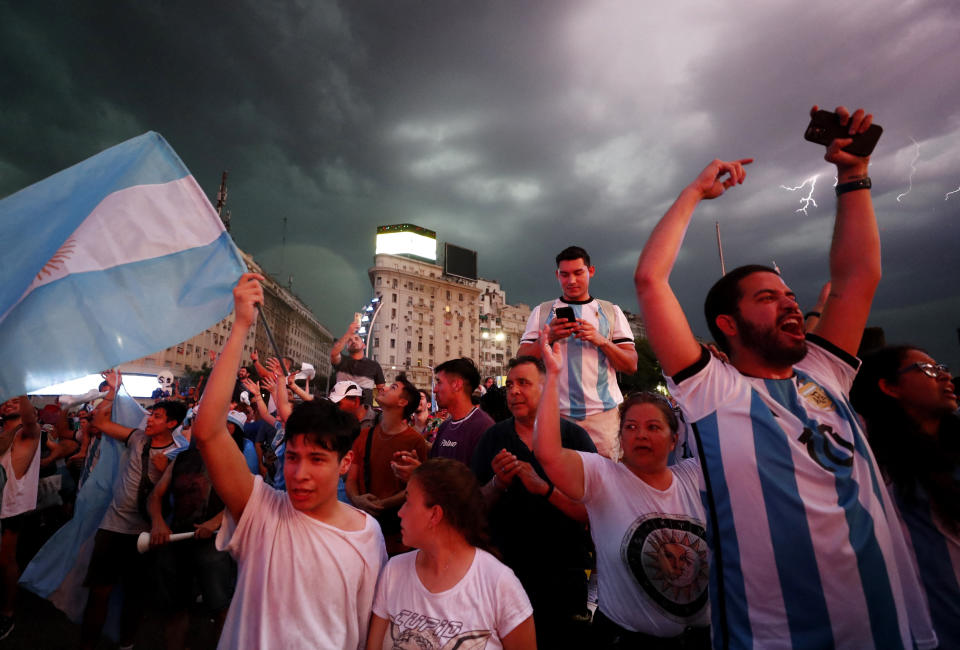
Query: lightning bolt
[913, 169]
[947, 195]
[807, 200]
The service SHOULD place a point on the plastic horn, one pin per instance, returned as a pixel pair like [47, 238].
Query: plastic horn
[143, 541]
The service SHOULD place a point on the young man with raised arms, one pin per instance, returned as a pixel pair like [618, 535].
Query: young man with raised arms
[308, 564]
[803, 553]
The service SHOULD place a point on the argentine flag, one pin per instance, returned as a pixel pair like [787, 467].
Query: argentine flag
[112, 259]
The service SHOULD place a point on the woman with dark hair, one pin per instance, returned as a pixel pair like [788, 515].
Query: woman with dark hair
[908, 403]
[646, 519]
[449, 591]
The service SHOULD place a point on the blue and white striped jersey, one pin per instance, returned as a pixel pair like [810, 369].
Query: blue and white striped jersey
[806, 549]
[588, 383]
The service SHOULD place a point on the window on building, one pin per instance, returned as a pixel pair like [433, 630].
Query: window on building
[393, 343]
[408, 361]
[430, 348]
[393, 297]
[448, 294]
[393, 314]
[393, 359]
[394, 283]
[376, 341]
[461, 297]
[409, 344]
[420, 345]
[379, 279]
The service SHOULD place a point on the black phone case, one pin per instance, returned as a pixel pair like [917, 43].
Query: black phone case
[825, 127]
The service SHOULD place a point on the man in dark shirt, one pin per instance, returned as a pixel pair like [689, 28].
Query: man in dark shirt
[354, 366]
[539, 531]
[457, 437]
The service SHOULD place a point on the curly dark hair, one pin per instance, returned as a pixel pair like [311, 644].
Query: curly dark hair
[913, 460]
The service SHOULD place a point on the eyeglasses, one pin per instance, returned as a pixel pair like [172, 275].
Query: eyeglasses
[933, 370]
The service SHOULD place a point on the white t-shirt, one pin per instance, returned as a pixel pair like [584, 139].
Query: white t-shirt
[486, 605]
[652, 556]
[20, 494]
[588, 382]
[301, 583]
[804, 553]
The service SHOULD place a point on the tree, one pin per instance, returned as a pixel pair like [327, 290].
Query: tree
[648, 376]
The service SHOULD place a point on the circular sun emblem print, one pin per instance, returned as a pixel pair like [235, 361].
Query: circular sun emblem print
[668, 558]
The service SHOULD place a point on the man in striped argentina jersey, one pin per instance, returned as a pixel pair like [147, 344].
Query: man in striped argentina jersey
[804, 551]
[596, 343]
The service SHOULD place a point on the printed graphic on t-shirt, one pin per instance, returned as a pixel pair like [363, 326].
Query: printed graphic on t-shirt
[668, 558]
[412, 631]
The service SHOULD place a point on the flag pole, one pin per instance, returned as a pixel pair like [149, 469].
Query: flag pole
[273, 343]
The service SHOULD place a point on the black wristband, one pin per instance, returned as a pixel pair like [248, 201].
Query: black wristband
[549, 492]
[811, 313]
[859, 184]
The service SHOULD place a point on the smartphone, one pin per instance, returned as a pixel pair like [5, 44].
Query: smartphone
[565, 312]
[825, 127]
[356, 317]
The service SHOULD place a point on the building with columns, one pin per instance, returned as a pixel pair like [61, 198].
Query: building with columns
[431, 311]
[296, 330]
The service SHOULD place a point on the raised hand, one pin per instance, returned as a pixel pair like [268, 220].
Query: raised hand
[246, 296]
[849, 166]
[711, 182]
[552, 358]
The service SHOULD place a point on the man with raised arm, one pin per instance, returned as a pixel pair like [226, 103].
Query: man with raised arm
[308, 564]
[20, 463]
[354, 366]
[114, 559]
[803, 553]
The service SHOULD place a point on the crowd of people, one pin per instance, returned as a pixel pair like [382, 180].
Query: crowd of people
[783, 495]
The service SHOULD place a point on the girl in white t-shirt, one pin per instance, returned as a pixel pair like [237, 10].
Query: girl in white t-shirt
[448, 593]
[646, 520]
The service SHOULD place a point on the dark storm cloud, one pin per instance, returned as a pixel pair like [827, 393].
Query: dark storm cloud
[512, 128]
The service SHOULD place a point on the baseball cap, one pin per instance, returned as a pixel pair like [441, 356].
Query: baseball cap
[237, 418]
[345, 389]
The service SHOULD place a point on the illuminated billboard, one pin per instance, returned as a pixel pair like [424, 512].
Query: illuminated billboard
[407, 239]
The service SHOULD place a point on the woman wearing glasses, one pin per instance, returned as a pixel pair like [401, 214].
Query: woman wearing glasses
[908, 403]
[646, 519]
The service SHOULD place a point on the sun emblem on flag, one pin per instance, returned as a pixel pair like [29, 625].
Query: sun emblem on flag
[59, 260]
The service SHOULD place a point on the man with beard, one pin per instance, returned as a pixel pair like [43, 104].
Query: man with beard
[803, 552]
[355, 367]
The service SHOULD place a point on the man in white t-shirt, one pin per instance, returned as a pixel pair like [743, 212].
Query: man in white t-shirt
[596, 344]
[308, 563]
[804, 555]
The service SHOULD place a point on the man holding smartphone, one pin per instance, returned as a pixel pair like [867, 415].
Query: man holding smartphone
[596, 343]
[803, 554]
[354, 366]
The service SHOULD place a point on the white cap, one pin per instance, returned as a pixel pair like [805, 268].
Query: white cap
[345, 389]
[307, 372]
[237, 418]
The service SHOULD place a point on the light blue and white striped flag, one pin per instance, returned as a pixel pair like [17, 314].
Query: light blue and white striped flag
[112, 259]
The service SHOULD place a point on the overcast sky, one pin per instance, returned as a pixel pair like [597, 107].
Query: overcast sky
[514, 129]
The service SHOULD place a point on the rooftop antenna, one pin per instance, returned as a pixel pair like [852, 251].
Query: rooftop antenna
[723, 267]
[222, 200]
